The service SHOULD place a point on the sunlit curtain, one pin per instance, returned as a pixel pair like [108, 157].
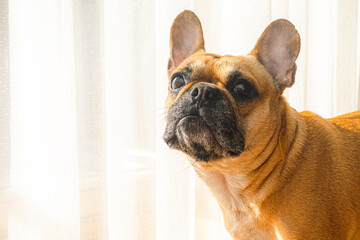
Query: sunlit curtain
[82, 89]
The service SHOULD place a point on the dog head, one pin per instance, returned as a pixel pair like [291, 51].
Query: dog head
[220, 106]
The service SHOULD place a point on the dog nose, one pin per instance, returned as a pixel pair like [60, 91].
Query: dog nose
[205, 92]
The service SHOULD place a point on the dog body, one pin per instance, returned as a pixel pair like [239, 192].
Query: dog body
[276, 173]
[277, 197]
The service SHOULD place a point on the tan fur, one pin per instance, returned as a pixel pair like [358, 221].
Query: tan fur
[299, 175]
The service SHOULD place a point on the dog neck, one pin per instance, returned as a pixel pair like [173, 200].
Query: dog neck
[241, 185]
[245, 182]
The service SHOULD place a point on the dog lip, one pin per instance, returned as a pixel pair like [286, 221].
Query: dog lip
[192, 116]
[170, 142]
[233, 153]
[195, 117]
[169, 139]
[188, 116]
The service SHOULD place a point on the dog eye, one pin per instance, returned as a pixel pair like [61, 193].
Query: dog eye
[244, 90]
[177, 82]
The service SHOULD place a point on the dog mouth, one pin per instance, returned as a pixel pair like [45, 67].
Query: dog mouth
[190, 128]
[195, 136]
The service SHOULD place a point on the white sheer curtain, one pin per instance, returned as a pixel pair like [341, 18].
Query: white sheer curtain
[82, 88]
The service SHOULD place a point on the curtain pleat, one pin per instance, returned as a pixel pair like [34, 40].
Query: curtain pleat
[4, 97]
[4, 120]
[90, 117]
[44, 165]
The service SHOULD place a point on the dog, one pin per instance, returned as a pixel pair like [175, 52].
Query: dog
[275, 173]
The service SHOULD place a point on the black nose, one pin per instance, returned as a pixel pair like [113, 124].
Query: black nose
[205, 92]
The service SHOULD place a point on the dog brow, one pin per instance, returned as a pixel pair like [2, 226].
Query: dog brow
[195, 64]
[188, 69]
[212, 55]
[235, 74]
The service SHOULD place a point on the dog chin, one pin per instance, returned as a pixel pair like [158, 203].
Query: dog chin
[196, 138]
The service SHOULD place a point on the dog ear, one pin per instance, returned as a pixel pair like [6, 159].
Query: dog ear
[277, 49]
[186, 37]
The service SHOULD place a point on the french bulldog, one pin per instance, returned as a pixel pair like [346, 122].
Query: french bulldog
[275, 173]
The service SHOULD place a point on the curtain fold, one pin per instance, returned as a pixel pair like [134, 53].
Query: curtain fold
[4, 97]
[4, 119]
[82, 91]
[43, 163]
[88, 29]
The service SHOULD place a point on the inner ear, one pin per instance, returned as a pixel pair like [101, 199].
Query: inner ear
[277, 49]
[186, 37]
